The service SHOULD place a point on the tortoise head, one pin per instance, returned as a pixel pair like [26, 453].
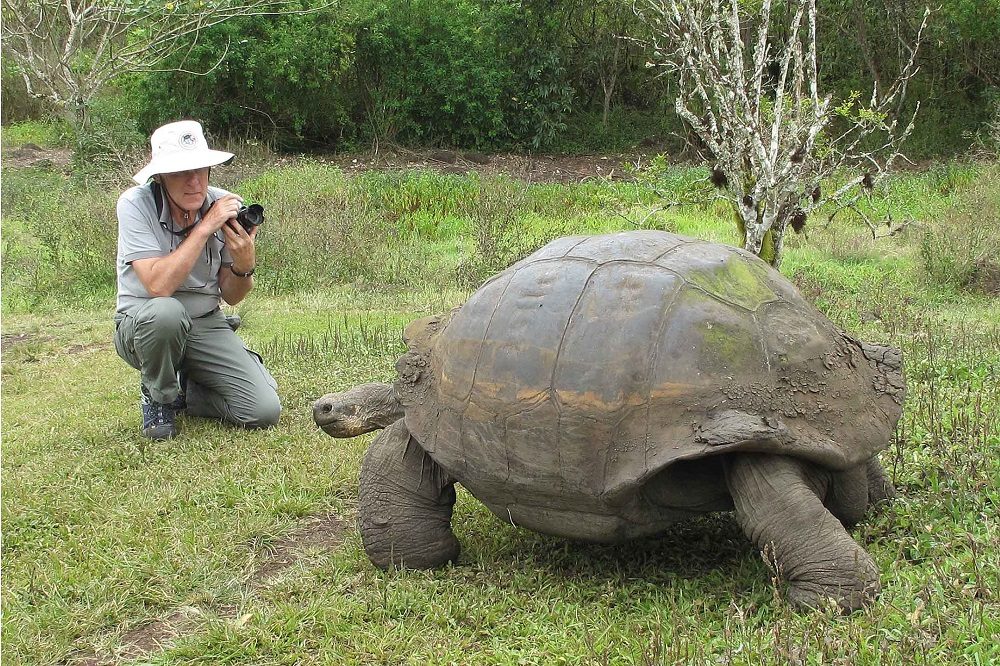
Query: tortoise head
[359, 410]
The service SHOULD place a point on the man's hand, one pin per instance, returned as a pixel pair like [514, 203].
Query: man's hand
[241, 245]
[221, 212]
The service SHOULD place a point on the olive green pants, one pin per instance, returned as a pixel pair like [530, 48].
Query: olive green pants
[225, 379]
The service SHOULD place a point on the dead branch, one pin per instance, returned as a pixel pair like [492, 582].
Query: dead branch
[753, 100]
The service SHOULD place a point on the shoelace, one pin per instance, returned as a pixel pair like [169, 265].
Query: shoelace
[159, 413]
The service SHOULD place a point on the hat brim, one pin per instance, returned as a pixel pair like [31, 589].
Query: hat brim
[185, 161]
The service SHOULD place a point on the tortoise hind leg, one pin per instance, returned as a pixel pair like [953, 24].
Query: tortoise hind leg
[855, 491]
[779, 504]
[880, 488]
[405, 503]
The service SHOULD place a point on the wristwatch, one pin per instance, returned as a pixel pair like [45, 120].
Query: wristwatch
[243, 275]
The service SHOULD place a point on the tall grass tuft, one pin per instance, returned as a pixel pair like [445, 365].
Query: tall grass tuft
[323, 229]
[59, 242]
[962, 248]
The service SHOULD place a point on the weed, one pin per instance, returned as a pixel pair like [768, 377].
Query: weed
[962, 248]
[498, 237]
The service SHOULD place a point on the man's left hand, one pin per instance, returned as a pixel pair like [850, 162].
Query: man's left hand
[241, 245]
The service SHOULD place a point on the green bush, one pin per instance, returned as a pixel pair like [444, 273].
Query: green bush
[424, 72]
[285, 79]
[432, 72]
[51, 133]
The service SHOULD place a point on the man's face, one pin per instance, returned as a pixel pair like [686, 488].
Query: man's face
[188, 189]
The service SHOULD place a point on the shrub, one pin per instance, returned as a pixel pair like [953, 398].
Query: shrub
[280, 78]
[432, 72]
[962, 249]
[50, 133]
[497, 230]
[59, 241]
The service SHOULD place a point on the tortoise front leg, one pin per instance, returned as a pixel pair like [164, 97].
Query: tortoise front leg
[405, 503]
[779, 505]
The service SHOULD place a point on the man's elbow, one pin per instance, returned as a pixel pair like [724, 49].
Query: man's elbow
[235, 297]
[157, 291]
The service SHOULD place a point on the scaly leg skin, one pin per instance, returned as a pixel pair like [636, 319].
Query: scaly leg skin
[880, 488]
[405, 504]
[779, 506]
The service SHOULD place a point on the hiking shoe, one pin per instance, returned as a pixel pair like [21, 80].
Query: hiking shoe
[157, 417]
[179, 403]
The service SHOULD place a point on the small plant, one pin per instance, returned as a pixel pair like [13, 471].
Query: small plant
[498, 237]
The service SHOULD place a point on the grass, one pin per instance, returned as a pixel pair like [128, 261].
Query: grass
[51, 134]
[109, 539]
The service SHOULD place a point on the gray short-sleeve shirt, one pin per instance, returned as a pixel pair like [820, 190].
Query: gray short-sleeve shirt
[143, 234]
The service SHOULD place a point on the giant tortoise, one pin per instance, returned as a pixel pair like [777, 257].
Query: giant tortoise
[607, 386]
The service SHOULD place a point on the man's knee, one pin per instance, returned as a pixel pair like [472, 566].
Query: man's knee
[263, 413]
[163, 317]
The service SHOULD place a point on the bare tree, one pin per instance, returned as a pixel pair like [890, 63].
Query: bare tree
[753, 101]
[67, 51]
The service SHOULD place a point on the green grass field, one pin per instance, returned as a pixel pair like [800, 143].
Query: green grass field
[231, 547]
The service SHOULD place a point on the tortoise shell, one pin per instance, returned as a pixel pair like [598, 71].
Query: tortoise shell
[569, 381]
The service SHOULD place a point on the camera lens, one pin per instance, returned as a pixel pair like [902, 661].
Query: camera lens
[250, 216]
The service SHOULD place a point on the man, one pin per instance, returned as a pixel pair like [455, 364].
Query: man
[181, 252]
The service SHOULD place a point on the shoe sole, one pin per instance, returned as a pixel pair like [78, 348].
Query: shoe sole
[159, 432]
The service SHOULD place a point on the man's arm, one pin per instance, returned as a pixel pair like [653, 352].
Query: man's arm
[162, 276]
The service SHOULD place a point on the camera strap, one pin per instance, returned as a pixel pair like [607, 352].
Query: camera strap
[159, 195]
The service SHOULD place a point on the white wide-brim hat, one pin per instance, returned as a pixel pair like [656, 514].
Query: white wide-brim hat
[180, 146]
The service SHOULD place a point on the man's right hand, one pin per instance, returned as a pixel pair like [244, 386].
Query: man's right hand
[223, 210]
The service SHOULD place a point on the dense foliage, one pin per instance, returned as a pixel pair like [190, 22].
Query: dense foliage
[538, 74]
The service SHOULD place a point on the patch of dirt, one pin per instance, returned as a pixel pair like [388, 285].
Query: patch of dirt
[531, 168]
[30, 155]
[327, 532]
[8, 340]
[157, 634]
[146, 638]
[323, 532]
[986, 277]
[79, 349]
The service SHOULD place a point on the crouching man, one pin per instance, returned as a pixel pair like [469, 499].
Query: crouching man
[181, 252]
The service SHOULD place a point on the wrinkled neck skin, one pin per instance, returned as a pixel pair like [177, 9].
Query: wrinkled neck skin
[359, 410]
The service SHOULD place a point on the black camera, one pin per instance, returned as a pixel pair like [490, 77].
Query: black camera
[250, 216]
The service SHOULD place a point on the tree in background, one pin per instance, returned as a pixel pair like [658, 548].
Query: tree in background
[752, 98]
[67, 51]
[598, 30]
